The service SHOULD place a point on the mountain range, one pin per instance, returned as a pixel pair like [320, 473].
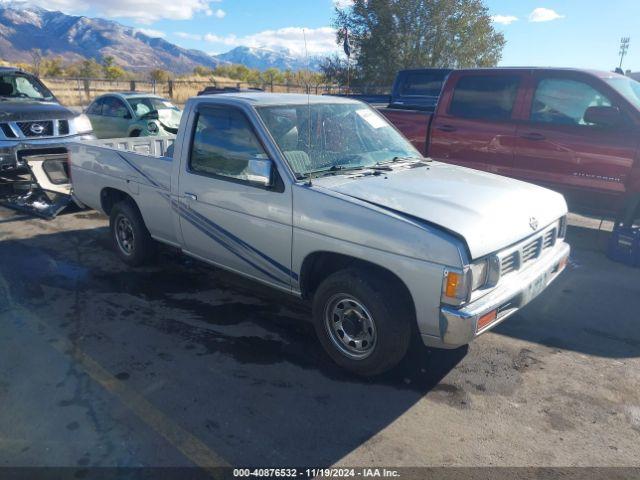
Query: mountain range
[24, 28]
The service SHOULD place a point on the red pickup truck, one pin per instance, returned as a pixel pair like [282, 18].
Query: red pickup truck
[575, 131]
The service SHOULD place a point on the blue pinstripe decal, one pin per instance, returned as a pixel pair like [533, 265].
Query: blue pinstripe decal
[220, 235]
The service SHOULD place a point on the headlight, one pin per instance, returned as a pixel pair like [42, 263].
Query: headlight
[152, 127]
[479, 274]
[458, 285]
[81, 124]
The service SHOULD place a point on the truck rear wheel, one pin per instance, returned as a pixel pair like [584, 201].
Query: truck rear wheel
[130, 236]
[362, 323]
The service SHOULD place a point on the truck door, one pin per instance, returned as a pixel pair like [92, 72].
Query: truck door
[473, 126]
[225, 218]
[559, 148]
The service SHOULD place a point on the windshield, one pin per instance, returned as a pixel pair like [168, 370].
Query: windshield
[167, 112]
[16, 85]
[627, 87]
[334, 137]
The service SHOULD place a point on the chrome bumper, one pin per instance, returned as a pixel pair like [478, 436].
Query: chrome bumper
[9, 149]
[459, 326]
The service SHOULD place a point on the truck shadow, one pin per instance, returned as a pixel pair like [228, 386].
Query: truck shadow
[236, 364]
[591, 308]
[239, 365]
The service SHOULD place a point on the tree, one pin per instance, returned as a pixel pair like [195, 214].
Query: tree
[201, 71]
[36, 61]
[159, 75]
[334, 70]
[110, 70]
[389, 35]
[52, 67]
[272, 75]
[87, 68]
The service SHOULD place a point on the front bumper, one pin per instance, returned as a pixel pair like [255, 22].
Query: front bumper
[459, 326]
[11, 150]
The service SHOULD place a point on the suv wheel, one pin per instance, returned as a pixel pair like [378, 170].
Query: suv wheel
[362, 323]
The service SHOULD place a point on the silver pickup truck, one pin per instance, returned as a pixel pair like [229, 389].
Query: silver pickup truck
[322, 198]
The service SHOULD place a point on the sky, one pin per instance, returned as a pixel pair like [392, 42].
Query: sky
[571, 33]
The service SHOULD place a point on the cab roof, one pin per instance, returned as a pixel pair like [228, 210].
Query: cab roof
[264, 99]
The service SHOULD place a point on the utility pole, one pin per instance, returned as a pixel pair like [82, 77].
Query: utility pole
[624, 48]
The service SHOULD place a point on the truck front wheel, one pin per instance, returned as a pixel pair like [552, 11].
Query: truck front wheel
[130, 236]
[362, 323]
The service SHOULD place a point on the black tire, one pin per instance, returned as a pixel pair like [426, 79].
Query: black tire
[125, 216]
[135, 133]
[368, 294]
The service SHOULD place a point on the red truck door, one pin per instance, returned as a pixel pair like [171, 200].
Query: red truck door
[559, 148]
[474, 125]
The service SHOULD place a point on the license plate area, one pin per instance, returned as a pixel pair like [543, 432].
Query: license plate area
[535, 288]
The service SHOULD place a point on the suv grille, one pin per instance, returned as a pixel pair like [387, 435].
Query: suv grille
[36, 129]
[63, 127]
[6, 129]
[529, 252]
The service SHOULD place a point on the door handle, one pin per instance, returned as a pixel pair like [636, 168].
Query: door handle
[191, 196]
[446, 128]
[536, 137]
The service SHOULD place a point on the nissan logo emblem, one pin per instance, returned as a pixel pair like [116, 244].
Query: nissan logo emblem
[36, 128]
[533, 223]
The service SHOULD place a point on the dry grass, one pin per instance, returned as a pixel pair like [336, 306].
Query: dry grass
[75, 92]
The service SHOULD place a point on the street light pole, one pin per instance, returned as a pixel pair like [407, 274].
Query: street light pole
[624, 47]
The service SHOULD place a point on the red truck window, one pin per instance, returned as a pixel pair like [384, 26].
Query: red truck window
[564, 102]
[490, 97]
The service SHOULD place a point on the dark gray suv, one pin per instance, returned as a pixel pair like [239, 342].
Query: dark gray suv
[32, 121]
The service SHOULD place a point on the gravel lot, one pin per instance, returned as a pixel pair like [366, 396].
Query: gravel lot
[180, 364]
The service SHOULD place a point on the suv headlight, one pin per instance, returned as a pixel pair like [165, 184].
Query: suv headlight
[458, 285]
[81, 124]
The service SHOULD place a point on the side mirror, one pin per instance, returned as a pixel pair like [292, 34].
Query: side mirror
[260, 172]
[603, 116]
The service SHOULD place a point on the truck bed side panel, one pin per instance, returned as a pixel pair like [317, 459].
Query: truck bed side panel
[145, 178]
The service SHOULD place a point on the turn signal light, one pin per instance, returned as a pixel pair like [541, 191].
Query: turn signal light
[453, 282]
[486, 319]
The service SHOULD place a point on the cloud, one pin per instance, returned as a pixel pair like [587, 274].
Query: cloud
[504, 19]
[219, 13]
[342, 3]
[142, 11]
[188, 36]
[319, 40]
[150, 32]
[544, 15]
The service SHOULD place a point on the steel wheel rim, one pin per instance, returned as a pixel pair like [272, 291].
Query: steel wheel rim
[124, 235]
[350, 326]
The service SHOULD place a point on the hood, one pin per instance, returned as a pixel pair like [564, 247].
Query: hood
[489, 211]
[25, 110]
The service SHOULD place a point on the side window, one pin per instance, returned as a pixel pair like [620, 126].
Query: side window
[223, 143]
[421, 84]
[113, 107]
[490, 97]
[564, 102]
[95, 108]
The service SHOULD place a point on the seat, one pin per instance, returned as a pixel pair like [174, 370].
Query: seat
[6, 89]
[299, 161]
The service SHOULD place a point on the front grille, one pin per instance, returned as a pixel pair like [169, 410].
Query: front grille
[509, 263]
[8, 132]
[549, 239]
[63, 127]
[531, 251]
[36, 129]
[528, 253]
